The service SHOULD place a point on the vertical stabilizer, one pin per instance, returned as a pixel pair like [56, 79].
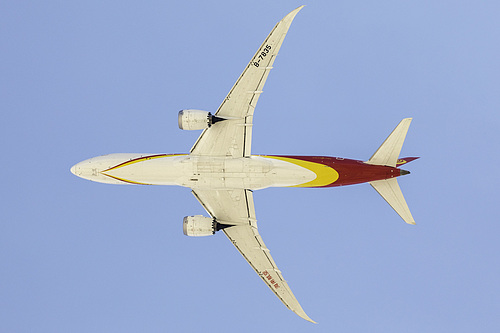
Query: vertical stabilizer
[390, 191]
[388, 152]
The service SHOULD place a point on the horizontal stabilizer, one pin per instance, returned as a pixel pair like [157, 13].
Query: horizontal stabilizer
[390, 191]
[388, 152]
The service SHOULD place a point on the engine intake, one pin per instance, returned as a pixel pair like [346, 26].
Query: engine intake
[196, 119]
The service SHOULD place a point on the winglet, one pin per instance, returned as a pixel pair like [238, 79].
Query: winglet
[388, 152]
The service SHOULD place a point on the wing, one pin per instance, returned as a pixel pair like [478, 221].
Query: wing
[233, 137]
[236, 208]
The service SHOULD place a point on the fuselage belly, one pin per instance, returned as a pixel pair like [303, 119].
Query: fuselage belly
[207, 172]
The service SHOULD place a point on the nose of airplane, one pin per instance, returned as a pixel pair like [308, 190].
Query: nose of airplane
[91, 169]
[74, 169]
[81, 169]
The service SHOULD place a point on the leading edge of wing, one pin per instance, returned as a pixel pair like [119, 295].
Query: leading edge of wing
[233, 136]
[236, 207]
[275, 38]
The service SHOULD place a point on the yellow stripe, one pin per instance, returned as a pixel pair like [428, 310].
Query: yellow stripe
[325, 175]
[124, 180]
[145, 158]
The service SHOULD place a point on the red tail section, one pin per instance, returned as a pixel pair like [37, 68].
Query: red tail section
[405, 160]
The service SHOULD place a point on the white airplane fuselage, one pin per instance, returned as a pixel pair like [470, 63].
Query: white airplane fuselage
[218, 172]
[196, 172]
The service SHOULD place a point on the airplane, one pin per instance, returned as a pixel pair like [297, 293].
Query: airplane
[223, 174]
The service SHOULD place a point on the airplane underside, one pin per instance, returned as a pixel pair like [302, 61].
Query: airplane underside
[223, 173]
[254, 173]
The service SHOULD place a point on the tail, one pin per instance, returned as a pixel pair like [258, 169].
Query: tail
[388, 154]
[390, 191]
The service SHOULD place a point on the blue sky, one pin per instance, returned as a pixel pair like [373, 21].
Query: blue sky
[82, 79]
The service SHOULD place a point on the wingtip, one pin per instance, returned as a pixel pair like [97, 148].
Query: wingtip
[306, 317]
[294, 12]
[303, 315]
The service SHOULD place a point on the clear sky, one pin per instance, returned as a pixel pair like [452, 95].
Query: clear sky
[85, 78]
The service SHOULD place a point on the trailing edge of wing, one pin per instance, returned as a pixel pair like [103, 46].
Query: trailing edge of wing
[235, 207]
[249, 243]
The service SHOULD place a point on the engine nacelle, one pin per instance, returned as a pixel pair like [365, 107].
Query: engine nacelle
[194, 119]
[199, 225]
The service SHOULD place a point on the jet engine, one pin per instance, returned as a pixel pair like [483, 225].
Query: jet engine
[196, 119]
[199, 225]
